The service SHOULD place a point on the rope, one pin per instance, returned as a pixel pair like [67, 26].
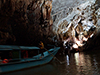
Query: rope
[55, 57]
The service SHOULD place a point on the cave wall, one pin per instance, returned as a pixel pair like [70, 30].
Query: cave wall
[68, 19]
[24, 22]
[61, 9]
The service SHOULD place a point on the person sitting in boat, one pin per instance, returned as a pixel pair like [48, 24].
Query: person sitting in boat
[24, 53]
[10, 55]
[41, 45]
[0, 60]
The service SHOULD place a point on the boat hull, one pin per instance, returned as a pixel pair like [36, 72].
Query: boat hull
[27, 64]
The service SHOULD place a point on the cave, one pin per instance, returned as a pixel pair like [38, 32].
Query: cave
[68, 23]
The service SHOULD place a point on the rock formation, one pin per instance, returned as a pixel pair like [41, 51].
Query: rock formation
[25, 22]
[79, 26]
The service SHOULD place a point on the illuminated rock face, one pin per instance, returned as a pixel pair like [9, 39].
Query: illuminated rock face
[63, 8]
[79, 25]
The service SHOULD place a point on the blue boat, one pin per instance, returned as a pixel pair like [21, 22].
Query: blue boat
[16, 61]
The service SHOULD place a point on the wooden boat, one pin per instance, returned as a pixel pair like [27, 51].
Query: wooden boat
[17, 61]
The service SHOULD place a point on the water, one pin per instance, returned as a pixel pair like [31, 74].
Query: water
[80, 63]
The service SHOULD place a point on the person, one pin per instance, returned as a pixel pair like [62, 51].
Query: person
[10, 55]
[24, 53]
[0, 60]
[41, 47]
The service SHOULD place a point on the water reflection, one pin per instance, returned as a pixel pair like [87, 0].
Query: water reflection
[77, 58]
[82, 59]
[67, 58]
[82, 63]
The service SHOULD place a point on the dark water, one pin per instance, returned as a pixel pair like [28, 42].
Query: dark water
[81, 63]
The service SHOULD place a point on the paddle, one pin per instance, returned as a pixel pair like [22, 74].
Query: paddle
[55, 57]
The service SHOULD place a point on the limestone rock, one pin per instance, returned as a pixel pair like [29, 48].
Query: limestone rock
[23, 20]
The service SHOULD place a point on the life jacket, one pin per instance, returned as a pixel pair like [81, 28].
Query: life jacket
[5, 61]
